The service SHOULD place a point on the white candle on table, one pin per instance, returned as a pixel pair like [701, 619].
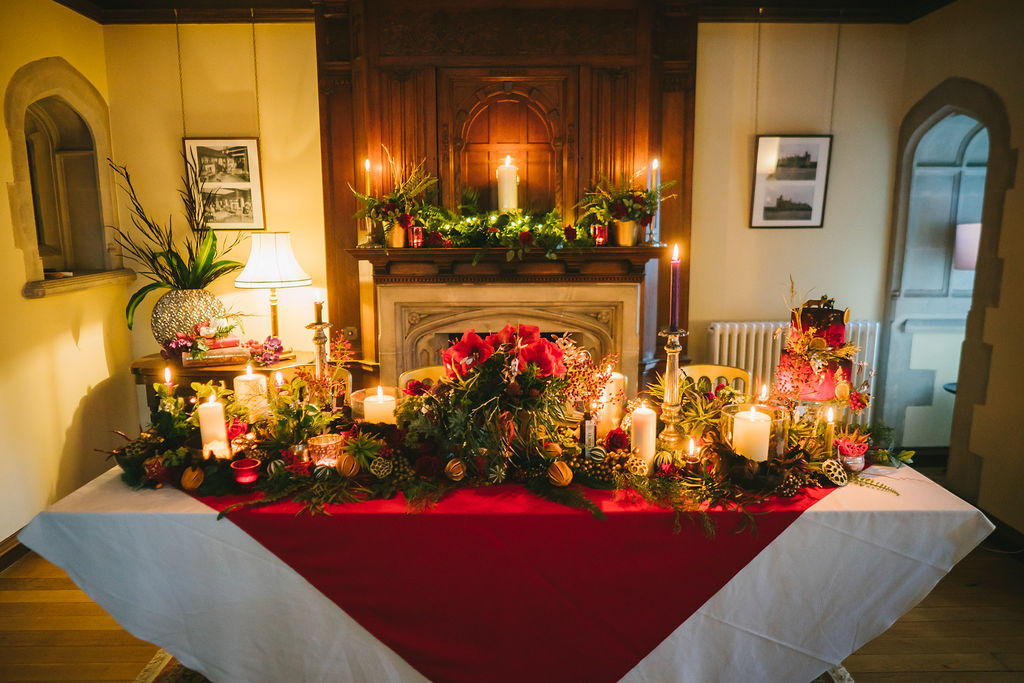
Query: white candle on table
[611, 402]
[212, 429]
[167, 378]
[508, 179]
[379, 408]
[750, 433]
[644, 428]
[251, 392]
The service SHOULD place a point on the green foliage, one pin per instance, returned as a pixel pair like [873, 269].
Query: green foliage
[363, 448]
[570, 496]
[194, 263]
[293, 420]
[624, 200]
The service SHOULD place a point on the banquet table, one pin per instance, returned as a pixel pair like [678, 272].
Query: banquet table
[373, 593]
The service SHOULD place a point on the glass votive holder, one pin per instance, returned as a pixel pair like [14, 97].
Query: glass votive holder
[247, 470]
[754, 430]
[600, 233]
[324, 449]
[415, 235]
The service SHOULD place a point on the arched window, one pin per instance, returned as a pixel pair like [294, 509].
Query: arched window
[62, 195]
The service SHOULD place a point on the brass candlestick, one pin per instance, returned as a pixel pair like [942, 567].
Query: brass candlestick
[672, 439]
[320, 354]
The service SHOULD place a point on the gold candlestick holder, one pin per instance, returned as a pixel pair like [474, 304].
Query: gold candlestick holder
[672, 439]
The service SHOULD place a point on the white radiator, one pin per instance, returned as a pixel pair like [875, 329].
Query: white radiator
[756, 348]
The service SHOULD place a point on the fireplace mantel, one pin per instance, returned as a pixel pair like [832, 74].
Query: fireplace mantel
[450, 265]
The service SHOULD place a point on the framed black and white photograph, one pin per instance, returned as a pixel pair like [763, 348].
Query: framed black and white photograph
[790, 179]
[229, 169]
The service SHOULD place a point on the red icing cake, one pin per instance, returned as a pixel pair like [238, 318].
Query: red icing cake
[807, 369]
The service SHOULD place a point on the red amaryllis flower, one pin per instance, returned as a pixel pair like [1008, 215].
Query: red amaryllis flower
[405, 220]
[525, 238]
[527, 334]
[433, 239]
[619, 210]
[616, 440]
[415, 387]
[570, 233]
[466, 354]
[546, 356]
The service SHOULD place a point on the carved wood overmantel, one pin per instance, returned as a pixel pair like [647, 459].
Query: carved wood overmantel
[574, 90]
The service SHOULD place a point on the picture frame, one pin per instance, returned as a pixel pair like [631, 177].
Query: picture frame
[790, 181]
[229, 169]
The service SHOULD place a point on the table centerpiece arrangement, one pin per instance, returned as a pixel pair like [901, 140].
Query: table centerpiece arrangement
[513, 407]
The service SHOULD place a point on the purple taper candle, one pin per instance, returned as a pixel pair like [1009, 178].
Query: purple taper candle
[673, 302]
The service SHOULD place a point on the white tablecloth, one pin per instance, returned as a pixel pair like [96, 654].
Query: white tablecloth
[172, 574]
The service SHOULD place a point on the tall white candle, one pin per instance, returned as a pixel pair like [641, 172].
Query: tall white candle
[212, 429]
[379, 408]
[751, 431]
[251, 392]
[644, 433]
[611, 403]
[167, 378]
[508, 180]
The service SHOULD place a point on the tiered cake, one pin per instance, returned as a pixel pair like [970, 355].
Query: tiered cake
[817, 362]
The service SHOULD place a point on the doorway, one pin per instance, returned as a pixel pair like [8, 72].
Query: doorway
[930, 300]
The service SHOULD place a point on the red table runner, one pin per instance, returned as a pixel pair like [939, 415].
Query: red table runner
[496, 584]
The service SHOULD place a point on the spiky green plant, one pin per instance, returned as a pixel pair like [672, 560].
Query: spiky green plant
[193, 264]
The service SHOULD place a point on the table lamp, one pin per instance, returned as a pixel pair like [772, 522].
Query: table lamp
[272, 265]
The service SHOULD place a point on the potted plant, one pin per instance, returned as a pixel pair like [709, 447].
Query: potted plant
[624, 206]
[184, 267]
[395, 210]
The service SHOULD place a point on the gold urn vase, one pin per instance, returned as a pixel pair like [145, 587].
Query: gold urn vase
[626, 233]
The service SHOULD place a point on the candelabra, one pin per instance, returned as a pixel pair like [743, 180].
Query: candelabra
[672, 439]
[320, 355]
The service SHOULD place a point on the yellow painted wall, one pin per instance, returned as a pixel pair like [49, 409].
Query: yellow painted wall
[982, 40]
[743, 274]
[218, 89]
[64, 379]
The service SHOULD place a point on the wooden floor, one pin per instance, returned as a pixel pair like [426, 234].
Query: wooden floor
[970, 629]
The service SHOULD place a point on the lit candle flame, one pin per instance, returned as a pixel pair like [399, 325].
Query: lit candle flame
[830, 416]
[675, 252]
[213, 398]
[654, 164]
[380, 392]
[691, 446]
[167, 376]
[764, 393]
[508, 160]
[609, 368]
[753, 412]
[366, 164]
[278, 378]
[248, 370]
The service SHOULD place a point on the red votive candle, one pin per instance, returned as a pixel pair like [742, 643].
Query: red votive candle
[600, 234]
[246, 470]
[673, 301]
[416, 235]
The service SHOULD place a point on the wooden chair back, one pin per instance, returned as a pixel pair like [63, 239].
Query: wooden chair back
[724, 373]
[431, 372]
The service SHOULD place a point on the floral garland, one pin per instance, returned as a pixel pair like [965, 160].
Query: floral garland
[502, 412]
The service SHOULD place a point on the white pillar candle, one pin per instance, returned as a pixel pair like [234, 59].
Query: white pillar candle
[644, 433]
[212, 429]
[251, 392]
[750, 434]
[611, 403]
[379, 408]
[508, 180]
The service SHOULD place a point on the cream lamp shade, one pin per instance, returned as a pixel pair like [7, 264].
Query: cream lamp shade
[271, 265]
[965, 251]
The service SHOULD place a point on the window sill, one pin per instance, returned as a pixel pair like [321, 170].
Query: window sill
[37, 289]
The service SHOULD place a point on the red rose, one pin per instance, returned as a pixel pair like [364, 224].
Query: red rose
[415, 387]
[405, 220]
[525, 238]
[466, 354]
[433, 239]
[570, 233]
[619, 210]
[616, 440]
[646, 219]
[236, 428]
[546, 356]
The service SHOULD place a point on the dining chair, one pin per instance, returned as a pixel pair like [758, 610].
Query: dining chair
[725, 373]
[431, 372]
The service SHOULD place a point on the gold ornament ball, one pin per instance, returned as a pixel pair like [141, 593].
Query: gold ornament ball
[192, 478]
[559, 473]
[455, 469]
[347, 465]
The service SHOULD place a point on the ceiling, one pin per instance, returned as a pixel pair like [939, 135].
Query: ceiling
[222, 11]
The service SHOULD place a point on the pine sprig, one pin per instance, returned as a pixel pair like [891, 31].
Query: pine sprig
[570, 496]
[867, 482]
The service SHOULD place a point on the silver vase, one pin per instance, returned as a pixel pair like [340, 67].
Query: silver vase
[180, 310]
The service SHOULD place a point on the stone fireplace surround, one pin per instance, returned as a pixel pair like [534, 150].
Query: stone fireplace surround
[417, 319]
